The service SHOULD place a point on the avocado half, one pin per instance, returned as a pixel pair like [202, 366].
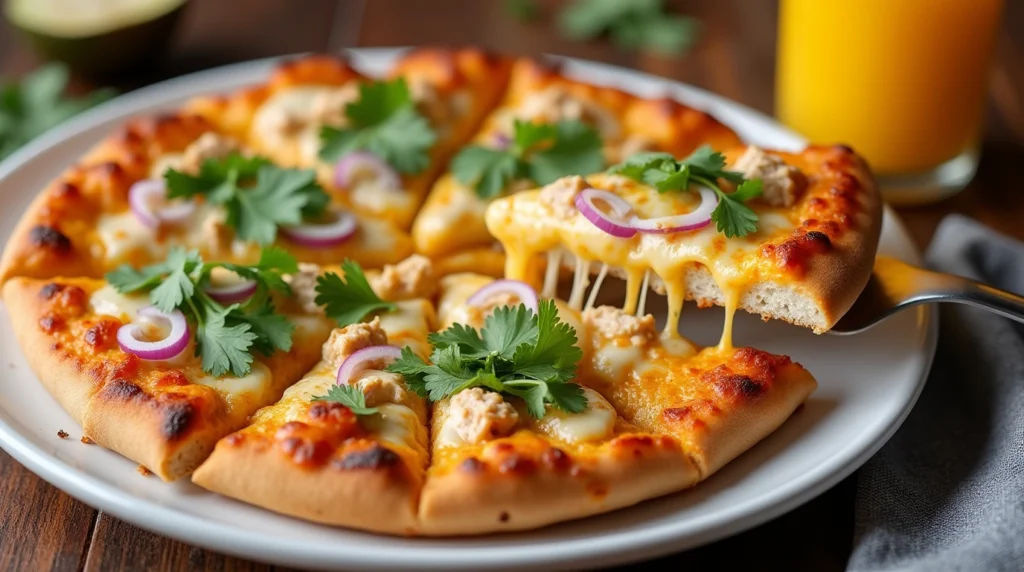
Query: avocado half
[98, 37]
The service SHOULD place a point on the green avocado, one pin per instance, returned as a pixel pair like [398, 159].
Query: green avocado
[96, 37]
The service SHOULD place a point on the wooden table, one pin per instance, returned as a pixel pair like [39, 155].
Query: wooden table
[43, 528]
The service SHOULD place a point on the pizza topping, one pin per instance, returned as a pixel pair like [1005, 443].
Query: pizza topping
[363, 168]
[476, 415]
[556, 104]
[615, 223]
[413, 277]
[693, 220]
[328, 106]
[370, 357]
[148, 201]
[257, 196]
[227, 337]
[504, 292]
[385, 122]
[155, 335]
[209, 145]
[349, 396]
[351, 299]
[227, 287]
[700, 171]
[517, 352]
[613, 323]
[782, 183]
[596, 423]
[346, 341]
[303, 285]
[560, 195]
[381, 387]
[539, 152]
[342, 226]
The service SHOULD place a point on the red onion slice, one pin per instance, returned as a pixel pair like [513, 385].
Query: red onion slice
[616, 223]
[697, 218]
[231, 293]
[130, 336]
[358, 166]
[371, 357]
[526, 294]
[147, 199]
[326, 235]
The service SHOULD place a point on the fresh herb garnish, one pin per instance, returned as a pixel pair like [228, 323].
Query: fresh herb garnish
[350, 396]
[703, 167]
[226, 336]
[517, 352]
[385, 122]
[540, 152]
[257, 195]
[351, 299]
[37, 103]
[632, 25]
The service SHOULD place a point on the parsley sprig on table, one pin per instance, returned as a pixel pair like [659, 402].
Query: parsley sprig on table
[540, 152]
[257, 195]
[350, 396]
[351, 299]
[226, 336]
[385, 122]
[704, 166]
[517, 352]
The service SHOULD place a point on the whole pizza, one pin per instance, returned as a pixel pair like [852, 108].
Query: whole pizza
[375, 302]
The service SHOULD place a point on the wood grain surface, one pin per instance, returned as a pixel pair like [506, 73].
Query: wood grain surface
[42, 528]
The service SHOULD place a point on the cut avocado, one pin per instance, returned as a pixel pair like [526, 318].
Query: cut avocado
[96, 36]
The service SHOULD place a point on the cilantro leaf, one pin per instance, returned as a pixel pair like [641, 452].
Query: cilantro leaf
[576, 150]
[448, 374]
[568, 397]
[222, 347]
[523, 10]
[636, 24]
[273, 331]
[526, 135]
[508, 327]
[350, 396]
[385, 122]
[177, 286]
[488, 171]
[706, 167]
[413, 368]
[466, 337]
[350, 300]
[554, 354]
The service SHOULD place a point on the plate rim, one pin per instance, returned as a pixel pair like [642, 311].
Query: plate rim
[219, 537]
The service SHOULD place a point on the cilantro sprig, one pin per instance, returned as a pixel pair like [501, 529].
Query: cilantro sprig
[258, 196]
[540, 152]
[517, 352]
[385, 122]
[350, 299]
[226, 336]
[634, 25]
[350, 396]
[704, 166]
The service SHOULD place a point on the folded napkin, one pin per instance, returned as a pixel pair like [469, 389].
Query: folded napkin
[947, 492]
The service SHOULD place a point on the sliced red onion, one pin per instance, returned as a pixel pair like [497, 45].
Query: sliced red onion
[359, 165]
[364, 359]
[129, 336]
[697, 218]
[502, 141]
[526, 294]
[148, 201]
[326, 235]
[616, 223]
[231, 293]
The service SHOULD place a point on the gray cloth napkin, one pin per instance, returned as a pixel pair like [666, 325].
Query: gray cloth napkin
[947, 492]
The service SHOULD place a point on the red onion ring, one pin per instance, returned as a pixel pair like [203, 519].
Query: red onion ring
[616, 224]
[231, 293]
[141, 198]
[361, 360]
[323, 235]
[359, 165]
[175, 342]
[697, 218]
[526, 294]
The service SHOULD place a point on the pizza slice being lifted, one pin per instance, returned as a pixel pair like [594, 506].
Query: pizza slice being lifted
[546, 126]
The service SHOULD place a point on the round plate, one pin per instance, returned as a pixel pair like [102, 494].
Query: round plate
[868, 383]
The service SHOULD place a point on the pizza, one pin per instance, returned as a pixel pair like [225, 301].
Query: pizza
[380, 302]
[450, 227]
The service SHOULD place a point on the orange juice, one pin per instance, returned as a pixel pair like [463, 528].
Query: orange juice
[901, 81]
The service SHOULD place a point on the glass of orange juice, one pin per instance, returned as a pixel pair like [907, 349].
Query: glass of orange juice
[903, 82]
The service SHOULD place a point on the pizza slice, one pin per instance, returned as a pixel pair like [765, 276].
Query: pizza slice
[158, 364]
[176, 181]
[547, 126]
[784, 235]
[517, 443]
[347, 444]
[377, 144]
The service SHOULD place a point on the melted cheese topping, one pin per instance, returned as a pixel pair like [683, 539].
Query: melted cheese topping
[251, 388]
[299, 145]
[123, 234]
[595, 423]
[527, 227]
[395, 425]
[109, 302]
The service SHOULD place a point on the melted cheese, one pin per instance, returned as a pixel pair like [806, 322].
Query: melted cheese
[396, 425]
[252, 388]
[301, 145]
[108, 302]
[595, 423]
[122, 234]
[162, 163]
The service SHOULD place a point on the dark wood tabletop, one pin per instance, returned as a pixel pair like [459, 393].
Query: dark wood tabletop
[43, 528]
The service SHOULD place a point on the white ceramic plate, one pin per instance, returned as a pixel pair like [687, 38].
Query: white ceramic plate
[868, 383]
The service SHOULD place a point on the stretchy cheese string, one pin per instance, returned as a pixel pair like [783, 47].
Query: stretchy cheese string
[579, 283]
[643, 294]
[597, 286]
[551, 274]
